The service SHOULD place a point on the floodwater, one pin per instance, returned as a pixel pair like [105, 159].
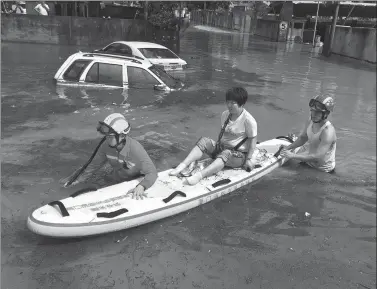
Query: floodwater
[249, 239]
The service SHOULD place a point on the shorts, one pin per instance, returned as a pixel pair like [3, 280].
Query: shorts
[231, 158]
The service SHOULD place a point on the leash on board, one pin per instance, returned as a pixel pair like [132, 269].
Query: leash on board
[82, 169]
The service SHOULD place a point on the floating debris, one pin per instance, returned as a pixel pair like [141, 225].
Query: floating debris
[122, 239]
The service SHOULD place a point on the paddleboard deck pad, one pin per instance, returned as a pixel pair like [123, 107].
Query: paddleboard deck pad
[94, 211]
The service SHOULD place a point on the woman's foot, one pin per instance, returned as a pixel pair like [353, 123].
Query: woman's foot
[194, 179]
[178, 169]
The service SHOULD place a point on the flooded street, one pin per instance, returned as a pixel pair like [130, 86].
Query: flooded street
[242, 240]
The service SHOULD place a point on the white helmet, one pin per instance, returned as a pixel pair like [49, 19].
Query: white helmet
[118, 123]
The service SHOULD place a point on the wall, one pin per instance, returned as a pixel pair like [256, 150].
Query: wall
[69, 30]
[237, 20]
[212, 18]
[244, 22]
[268, 29]
[354, 42]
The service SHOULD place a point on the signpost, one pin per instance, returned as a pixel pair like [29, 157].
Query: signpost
[283, 25]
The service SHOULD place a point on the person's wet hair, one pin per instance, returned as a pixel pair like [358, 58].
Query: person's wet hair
[237, 94]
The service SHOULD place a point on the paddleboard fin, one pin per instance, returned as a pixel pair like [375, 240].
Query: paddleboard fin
[112, 214]
[221, 182]
[173, 195]
[61, 206]
[82, 191]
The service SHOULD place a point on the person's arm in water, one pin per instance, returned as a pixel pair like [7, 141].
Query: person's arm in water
[327, 139]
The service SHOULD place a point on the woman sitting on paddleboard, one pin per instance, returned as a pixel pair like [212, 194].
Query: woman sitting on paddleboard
[126, 156]
[236, 143]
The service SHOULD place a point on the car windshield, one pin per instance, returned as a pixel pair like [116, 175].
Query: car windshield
[165, 77]
[161, 53]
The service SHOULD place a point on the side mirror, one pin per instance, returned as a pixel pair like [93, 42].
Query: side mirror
[160, 87]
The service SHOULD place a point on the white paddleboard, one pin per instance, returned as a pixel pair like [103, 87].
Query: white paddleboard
[92, 212]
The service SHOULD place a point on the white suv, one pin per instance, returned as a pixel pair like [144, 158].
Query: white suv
[107, 70]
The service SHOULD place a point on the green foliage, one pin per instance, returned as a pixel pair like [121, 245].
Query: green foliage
[259, 8]
[161, 13]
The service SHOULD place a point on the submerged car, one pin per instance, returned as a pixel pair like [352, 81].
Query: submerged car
[107, 70]
[157, 54]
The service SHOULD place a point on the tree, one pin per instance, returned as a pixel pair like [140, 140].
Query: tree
[259, 8]
[161, 13]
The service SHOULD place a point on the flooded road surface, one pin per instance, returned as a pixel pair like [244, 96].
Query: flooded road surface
[248, 239]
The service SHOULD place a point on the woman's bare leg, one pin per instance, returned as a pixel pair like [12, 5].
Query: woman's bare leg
[216, 166]
[195, 154]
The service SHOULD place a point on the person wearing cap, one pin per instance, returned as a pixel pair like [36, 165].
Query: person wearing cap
[126, 156]
[317, 141]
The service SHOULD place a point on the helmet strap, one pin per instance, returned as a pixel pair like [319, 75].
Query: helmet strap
[324, 117]
[120, 144]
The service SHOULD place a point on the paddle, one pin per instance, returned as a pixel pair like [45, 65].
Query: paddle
[81, 170]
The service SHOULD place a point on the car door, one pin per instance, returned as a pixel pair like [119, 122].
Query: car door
[138, 77]
[104, 74]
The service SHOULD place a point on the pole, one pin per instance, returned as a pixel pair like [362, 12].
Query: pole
[333, 27]
[315, 25]
[146, 10]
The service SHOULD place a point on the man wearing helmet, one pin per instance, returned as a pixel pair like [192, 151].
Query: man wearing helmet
[318, 139]
[126, 155]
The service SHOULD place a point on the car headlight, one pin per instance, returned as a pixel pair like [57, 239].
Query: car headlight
[184, 66]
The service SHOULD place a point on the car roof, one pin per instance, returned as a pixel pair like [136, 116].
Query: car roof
[140, 44]
[116, 58]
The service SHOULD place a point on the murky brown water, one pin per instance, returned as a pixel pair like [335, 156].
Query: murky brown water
[239, 241]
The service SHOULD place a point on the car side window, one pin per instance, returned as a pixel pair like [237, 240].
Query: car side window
[75, 70]
[92, 75]
[104, 73]
[125, 50]
[139, 77]
[112, 48]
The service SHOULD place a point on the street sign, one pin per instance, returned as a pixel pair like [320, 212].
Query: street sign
[283, 25]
